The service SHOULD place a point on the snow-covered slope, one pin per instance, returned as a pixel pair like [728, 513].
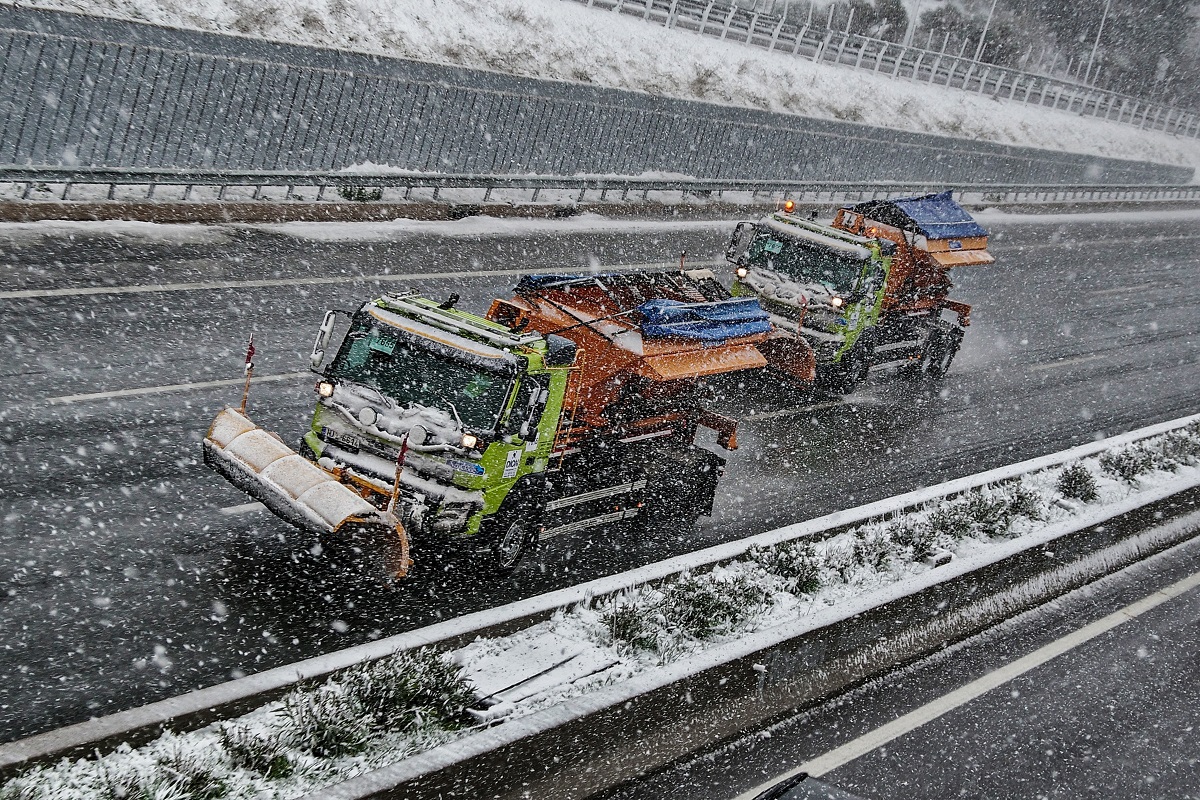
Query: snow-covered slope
[565, 41]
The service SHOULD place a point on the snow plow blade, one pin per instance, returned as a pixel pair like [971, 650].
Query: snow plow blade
[300, 492]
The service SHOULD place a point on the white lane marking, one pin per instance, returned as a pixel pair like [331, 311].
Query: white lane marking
[872, 740]
[1124, 289]
[244, 508]
[82, 291]
[176, 387]
[790, 412]
[1066, 362]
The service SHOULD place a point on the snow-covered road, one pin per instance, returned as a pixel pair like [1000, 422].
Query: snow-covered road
[125, 582]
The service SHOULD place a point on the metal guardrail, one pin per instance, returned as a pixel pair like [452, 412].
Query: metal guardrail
[39, 180]
[724, 20]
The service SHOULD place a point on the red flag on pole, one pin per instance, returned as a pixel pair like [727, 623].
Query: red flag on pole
[250, 355]
[249, 372]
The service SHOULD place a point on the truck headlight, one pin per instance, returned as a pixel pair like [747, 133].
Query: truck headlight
[325, 389]
[469, 440]
[742, 272]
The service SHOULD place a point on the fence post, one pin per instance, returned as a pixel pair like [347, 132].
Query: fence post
[775, 34]
[704, 18]
[799, 38]
[728, 19]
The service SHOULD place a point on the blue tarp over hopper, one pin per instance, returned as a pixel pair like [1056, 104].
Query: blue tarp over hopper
[934, 216]
[706, 322]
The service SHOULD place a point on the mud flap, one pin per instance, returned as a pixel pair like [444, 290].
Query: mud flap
[300, 492]
[791, 355]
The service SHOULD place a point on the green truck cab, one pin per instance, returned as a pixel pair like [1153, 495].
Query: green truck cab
[443, 414]
[818, 282]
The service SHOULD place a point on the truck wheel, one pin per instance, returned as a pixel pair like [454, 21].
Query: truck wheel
[845, 376]
[940, 351]
[513, 533]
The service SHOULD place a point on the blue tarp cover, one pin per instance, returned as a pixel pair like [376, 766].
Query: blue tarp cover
[706, 322]
[937, 216]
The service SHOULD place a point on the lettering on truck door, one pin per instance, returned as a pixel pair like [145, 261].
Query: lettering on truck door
[511, 463]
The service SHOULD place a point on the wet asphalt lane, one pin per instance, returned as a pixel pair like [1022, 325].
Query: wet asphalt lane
[124, 581]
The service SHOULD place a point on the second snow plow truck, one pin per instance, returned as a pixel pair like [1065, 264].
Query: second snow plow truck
[869, 290]
[573, 405]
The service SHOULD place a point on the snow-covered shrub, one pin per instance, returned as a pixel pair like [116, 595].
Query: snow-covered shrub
[839, 559]
[916, 534]
[30, 786]
[187, 771]
[409, 689]
[395, 694]
[1077, 482]
[325, 723]
[360, 194]
[263, 752]
[703, 606]
[1181, 447]
[1024, 501]
[796, 562]
[630, 623]
[989, 513]
[951, 521]
[1127, 463]
[872, 548]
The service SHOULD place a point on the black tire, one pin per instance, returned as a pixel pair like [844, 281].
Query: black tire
[940, 350]
[845, 376]
[512, 532]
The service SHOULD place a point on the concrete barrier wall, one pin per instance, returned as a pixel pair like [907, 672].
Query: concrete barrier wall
[86, 91]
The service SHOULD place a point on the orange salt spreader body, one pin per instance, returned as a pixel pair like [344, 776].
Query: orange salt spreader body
[646, 343]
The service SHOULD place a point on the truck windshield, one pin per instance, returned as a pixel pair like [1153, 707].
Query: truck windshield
[397, 366]
[806, 261]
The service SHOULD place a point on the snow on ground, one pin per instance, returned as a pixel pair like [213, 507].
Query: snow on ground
[557, 39]
[128, 230]
[483, 226]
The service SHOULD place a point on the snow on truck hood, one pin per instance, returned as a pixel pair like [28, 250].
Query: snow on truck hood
[392, 421]
[784, 289]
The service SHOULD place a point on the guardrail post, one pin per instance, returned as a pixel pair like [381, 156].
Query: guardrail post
[704, 19]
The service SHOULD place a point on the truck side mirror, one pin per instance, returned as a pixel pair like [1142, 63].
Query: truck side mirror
[743, 235]
[560, 351]
[318, 353]
[537, 404]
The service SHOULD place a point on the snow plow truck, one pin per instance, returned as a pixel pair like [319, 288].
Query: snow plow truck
[868, 291]
[575, 404]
